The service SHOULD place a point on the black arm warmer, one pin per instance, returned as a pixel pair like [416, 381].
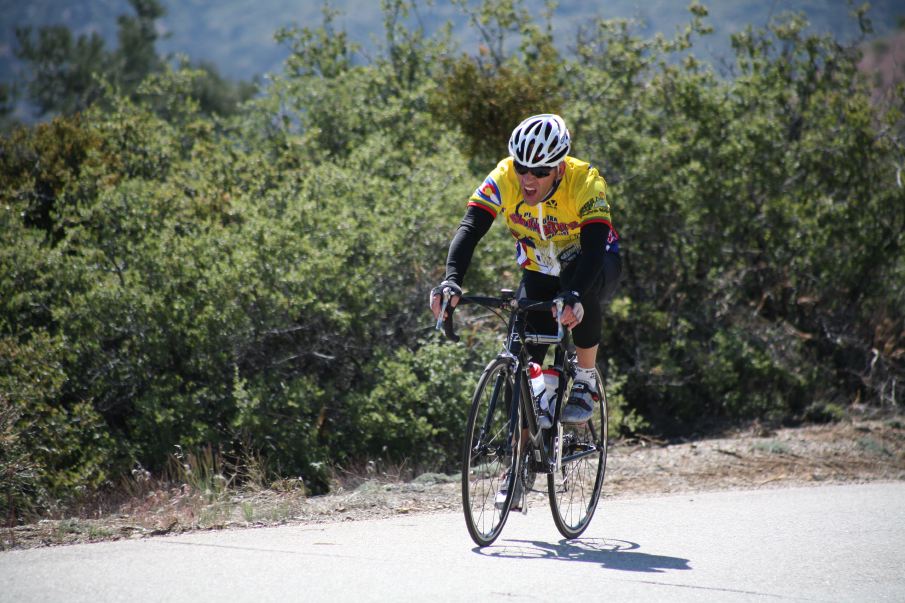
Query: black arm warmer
[590, 262]
[472, 228]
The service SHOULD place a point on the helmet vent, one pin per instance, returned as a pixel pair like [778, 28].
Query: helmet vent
[540, 141]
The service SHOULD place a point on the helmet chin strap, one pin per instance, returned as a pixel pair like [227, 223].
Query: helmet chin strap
[552, 190]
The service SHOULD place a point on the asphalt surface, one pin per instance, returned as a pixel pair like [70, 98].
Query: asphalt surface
[830, 543]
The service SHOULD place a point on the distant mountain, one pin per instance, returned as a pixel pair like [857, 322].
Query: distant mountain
[237, 35]
[885, 59]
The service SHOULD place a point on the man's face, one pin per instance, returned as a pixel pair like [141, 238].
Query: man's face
[534, 188]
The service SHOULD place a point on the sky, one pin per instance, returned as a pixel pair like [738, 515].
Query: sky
[237, 36]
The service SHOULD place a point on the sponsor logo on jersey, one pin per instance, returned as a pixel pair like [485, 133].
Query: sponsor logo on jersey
[598, 204]
[489, 192]
[521, 252]
[552, 227]
[569, 254]
[612, 242]
[527, 221]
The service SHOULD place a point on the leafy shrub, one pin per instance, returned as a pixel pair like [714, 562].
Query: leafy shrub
[485, 96]
[255, 284]
[51, 451]
[417, 408]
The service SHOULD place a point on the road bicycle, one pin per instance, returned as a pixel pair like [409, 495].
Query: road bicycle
[503, 443]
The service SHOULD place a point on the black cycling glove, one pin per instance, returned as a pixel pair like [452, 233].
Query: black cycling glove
[454, 289]
[572, 299]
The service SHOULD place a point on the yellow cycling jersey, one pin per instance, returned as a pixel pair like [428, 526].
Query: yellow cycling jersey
[547, 235]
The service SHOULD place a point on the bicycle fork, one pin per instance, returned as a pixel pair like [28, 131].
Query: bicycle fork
[519, 437]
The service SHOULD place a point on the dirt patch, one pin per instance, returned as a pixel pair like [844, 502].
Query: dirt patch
[854, 451]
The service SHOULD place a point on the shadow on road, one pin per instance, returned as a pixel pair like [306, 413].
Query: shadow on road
[609, 553]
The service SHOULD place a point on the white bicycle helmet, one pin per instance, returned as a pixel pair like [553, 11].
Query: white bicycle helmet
[540, 141]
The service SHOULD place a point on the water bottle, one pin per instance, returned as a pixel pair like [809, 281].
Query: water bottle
[539, 394]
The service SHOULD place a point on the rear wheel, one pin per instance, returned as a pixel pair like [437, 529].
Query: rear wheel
[488, 461]
[574, 489]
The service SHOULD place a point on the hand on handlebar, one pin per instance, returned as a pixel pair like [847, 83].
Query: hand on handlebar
[572, 312]
[447, 291]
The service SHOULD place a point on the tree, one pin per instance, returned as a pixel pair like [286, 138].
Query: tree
[63, 69]
[256, 284]
[69, 74]
[484, 95]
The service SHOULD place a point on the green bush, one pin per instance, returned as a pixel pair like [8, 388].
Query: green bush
[417, 408]
[52, 451]
[256, 284]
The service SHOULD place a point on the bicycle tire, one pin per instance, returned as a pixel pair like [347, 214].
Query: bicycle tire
[574, 490]
[488, 457]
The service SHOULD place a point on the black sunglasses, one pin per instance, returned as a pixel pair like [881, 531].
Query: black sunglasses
[537, 172]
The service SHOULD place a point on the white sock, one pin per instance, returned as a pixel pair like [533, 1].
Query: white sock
[588, 375]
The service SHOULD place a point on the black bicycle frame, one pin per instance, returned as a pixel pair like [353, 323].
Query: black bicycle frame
[523, 399]
[517, 354]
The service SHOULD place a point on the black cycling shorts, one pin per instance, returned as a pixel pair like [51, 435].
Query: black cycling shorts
[542, 287]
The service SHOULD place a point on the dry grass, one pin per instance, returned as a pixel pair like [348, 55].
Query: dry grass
[200, 492]
[197, 491]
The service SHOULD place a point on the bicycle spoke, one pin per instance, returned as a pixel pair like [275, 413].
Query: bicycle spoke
[575, 489]
[488, 453]
[492, 471]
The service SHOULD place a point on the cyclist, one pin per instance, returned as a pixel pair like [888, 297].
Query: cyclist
[556, 208]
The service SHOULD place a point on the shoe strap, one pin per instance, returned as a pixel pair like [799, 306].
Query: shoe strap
[582, 395]
[580, 402]
[581, 386]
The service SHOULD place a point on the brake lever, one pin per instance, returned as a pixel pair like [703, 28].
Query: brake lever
[448, 326]
[444, 320]
[440, 317]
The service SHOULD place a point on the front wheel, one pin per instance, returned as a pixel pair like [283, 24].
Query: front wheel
[488, 462]
[574, 489]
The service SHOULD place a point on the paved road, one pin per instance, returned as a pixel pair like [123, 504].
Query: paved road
[832, 543]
